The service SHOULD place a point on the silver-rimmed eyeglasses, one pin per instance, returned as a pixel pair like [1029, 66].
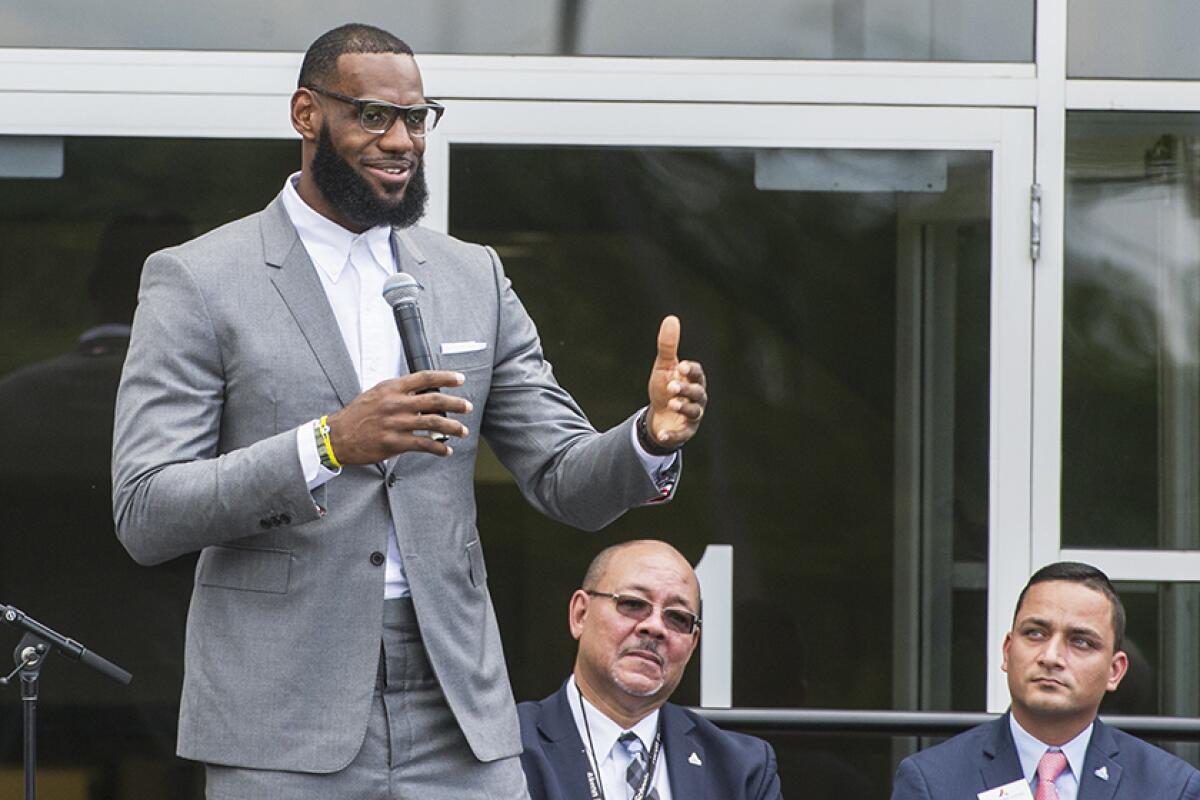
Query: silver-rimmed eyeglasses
[377, 116]
[677, 620]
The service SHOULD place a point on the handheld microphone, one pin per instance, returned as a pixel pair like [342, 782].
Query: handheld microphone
[400, 291]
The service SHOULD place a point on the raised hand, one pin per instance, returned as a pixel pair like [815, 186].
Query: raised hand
[678, 392]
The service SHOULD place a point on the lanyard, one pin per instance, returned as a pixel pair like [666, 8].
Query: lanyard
[595, 785]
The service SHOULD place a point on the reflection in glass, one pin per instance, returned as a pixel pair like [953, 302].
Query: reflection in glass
[1164, 656]
[844, 455]
[1132, 39]
[907, 30]
[1131, 339]
[844, 452]
[74, 249]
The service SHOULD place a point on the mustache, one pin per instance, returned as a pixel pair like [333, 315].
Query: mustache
[645, 644]
[404, 162]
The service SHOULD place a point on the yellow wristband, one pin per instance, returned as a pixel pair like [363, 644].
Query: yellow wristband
[325, 446]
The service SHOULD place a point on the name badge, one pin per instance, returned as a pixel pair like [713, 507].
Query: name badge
[1017, 790]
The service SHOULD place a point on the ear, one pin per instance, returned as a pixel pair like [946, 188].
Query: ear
[1004, 650]
[695, 640]
[1117, 669]
[306, 115]
[577, 612]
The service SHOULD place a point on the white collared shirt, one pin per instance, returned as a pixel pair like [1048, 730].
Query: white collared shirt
[1030, 751]
[352, 268]
[613, 757]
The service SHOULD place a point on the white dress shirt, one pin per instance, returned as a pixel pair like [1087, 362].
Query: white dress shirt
[1030, 751]
[613, 757]
[352, 268]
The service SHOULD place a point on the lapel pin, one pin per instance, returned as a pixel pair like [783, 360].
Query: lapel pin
[694, 760]
[1102, 773]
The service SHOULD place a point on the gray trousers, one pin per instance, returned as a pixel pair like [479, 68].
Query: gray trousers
[413, 747]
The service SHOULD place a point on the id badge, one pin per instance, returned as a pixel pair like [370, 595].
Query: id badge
[1017, 790]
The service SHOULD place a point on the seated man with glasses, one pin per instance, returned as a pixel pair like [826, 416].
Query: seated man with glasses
[609, 732]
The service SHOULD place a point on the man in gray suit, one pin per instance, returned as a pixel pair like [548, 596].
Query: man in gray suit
[265, 420]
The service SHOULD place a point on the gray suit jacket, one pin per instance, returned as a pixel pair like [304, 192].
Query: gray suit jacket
[235, 345]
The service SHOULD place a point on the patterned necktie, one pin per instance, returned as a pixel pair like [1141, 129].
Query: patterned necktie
[636, 772]
[1048, 770]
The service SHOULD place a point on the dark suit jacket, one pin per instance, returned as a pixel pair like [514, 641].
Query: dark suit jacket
[732, 765]
[985, 757]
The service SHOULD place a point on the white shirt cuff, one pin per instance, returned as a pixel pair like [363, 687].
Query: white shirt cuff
[315, 474]
[655, 465]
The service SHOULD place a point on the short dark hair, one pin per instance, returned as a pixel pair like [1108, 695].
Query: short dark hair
[1089, 576]
[320, 62]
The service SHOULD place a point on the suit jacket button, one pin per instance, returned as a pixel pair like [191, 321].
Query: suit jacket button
[285, 518]
[265, 522]
[391, 480]
[377, 558]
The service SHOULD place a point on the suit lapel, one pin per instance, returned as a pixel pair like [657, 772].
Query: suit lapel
[686, 762]
[406, 251]
[1101, 757]
[1000, 764]
[295, 278]
[562, 745]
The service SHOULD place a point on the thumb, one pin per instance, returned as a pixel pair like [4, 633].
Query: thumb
[668, 341]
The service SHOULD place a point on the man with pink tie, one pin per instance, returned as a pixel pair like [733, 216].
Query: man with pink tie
[1062, 656]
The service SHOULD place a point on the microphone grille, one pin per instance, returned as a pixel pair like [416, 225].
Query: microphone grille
[400, 288]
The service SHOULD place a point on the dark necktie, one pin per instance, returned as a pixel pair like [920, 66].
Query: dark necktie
[636, 772]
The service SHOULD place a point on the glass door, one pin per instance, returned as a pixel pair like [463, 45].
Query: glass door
[857, 282]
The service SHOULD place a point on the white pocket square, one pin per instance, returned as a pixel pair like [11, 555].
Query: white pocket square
[450, 348]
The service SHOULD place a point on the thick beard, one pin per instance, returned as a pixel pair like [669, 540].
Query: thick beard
[351, 195]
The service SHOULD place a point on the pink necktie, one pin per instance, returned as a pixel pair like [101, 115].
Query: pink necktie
[1049, 768]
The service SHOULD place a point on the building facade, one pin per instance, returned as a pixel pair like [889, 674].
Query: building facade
[940, 258]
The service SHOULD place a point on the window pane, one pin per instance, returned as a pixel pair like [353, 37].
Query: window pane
[843, 455]
[1164, 656]
[70, 266]
[1131, 345]
[941, 30]
[1132, 39]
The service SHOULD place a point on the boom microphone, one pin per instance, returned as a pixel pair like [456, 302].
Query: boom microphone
[400, 291]
[68, 647]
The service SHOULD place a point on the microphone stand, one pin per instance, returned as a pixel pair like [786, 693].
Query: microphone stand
[30, 657]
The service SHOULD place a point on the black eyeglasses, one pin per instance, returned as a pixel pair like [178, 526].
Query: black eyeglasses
[376, 116]
[677, 620]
